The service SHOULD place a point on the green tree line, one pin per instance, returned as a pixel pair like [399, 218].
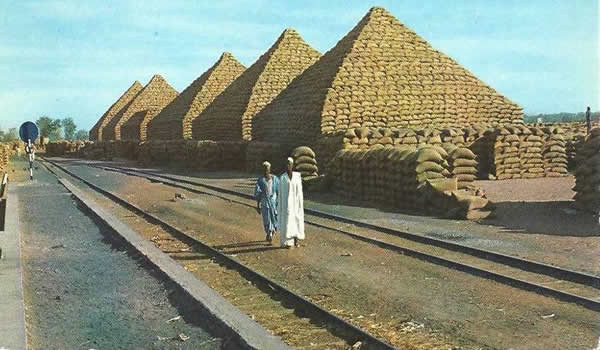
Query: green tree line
[563, 117]
[53, 129]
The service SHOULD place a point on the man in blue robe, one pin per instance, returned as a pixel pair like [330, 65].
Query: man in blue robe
[265, 193]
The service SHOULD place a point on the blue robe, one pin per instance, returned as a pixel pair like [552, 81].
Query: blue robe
[268, 204]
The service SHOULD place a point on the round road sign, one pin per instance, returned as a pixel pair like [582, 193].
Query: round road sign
[28, 131]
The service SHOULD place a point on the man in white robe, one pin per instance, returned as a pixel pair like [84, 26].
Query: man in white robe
[290, 207]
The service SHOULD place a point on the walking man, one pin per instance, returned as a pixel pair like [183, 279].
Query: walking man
[290, 206]
[265, 194]
[588, 120]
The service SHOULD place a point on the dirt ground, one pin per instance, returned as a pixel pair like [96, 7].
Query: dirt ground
[85, 290]
[382, 291]
[533, 219]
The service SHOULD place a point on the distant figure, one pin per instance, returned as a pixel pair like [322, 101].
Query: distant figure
[588, 120]
[30, 150]
[265, 194]
[290, 206]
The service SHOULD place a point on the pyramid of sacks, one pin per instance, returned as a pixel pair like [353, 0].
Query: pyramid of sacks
[229, 116]
[96, 132]
[174, 122]
[381, 74]
[153, 98]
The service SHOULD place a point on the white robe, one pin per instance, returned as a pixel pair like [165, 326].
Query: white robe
[290, 208]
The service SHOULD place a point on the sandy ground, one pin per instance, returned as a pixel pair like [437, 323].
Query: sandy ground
[382, 291]
[534, 219]
[83, 290]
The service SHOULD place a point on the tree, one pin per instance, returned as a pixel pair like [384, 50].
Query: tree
[82, 135]
[69, 128]
[11, 135]
[49, 127]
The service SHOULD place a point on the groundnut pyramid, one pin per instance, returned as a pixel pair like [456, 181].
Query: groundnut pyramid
[148, 102]
[381, 74]
[175, 120]
[229, 117]
[96, 132]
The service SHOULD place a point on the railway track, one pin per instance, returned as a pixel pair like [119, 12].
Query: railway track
[563, 284]
[298, 321]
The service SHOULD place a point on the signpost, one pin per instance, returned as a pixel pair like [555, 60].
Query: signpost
[29, 133]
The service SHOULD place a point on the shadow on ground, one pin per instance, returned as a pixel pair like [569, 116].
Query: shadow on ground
[558, 218]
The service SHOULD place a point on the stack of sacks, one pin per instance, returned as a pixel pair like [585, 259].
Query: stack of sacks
[463, 166]
[233, 155]
[366, 138]
[380, 74]
[484, 148]
[175, 120]
[126, 149]
[453, 136]
[508, 154]
[305, 161]
[110, 149]
[521, 152]
[158, 151]
[555, 153]
[587, 174]
[90, 150]
[144, 153]
[472, 133]
[64, 148]
[54, 149]
[94, 150]
[429, 137]
[530, 153]
[208, 155]
[230, 116]
[4, 157]
[573, 147]
[18, 147]
[417, 180]
[327, 147]
[176, 151]
[131, 121]
[258, 152]
[96, 133]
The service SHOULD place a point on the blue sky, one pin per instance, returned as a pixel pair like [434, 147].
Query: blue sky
[75, 58]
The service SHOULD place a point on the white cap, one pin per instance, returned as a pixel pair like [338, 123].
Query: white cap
[290, 160]
[266, 164]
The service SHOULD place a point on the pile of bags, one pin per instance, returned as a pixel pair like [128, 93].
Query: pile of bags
[555, 154]
[587, 174]
[175, 120]
[5, 152]
[519, 151]
[206, 155]
[416, 179]
[573, 146]
[305, 161]
[326, 147]
[65, 148]
[462, 165]
[357, 84]
[133, 118]
[96, 133]
[230, 117]
[93, 150]
[258, 152]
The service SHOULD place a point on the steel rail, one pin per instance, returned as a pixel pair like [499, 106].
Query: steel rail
[354, 334]
[520, 263]
[588, 303]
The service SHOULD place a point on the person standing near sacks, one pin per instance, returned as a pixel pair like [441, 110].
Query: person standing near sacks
[265, 194]
[290, 206]
[588, 120]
